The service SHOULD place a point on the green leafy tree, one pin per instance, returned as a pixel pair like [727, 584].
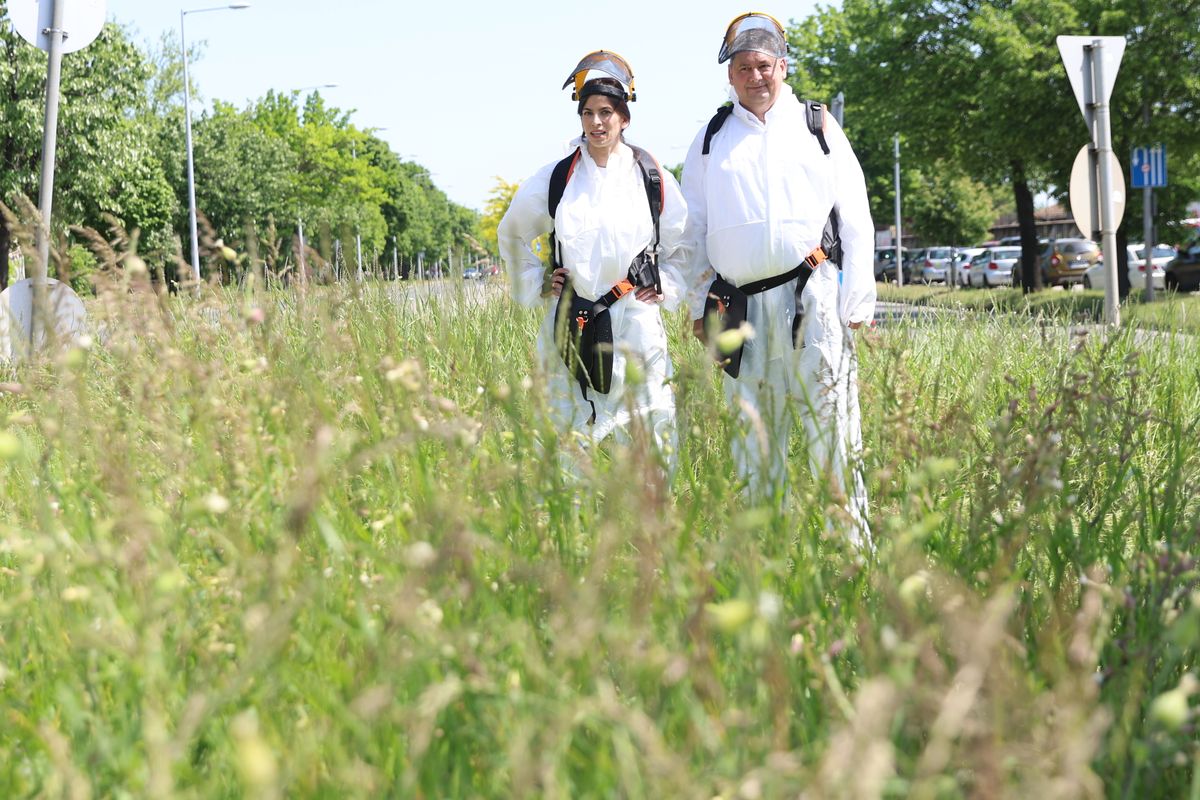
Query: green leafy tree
[950, 208]
[104, 164]
[22, 77]
[246, 172]
[977, 85]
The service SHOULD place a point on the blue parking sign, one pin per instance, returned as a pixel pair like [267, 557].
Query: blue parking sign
[1148, 167]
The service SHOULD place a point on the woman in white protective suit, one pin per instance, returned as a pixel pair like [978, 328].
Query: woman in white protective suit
[616, 220]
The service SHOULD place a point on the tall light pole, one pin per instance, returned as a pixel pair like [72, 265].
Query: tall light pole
[187, 126]
[358, 274]
[899, 233]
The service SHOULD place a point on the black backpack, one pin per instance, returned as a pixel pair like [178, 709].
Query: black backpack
[814, 112]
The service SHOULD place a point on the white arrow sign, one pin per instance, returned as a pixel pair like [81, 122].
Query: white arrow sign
[1073, 56]
[82, 22]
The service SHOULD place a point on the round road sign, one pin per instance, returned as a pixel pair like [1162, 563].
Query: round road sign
[82, 21]
[1080, 192]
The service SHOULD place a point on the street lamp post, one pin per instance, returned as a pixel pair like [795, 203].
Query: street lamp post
[187, 126]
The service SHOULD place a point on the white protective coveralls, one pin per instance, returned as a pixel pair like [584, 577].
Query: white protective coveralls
[758, 203]
[602, 222]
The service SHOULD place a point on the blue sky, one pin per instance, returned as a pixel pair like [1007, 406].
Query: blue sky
[468, 89]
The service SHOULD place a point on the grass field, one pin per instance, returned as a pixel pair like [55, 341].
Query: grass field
[1170, 311]
[322, 546]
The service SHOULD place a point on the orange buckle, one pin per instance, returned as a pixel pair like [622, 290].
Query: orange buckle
[580, 321]
[623, 288]
[815, 258]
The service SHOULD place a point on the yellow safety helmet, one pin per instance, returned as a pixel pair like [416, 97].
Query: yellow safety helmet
[610, 64]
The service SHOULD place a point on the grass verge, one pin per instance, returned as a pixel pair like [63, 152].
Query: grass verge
[329, 545]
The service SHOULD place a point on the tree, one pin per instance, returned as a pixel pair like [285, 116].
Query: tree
[246, 172]
[497, 205]
[950, 208]
[103, 162]
[977, 85]
[22, 75]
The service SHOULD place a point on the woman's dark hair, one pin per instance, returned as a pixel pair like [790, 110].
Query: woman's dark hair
[608, 87]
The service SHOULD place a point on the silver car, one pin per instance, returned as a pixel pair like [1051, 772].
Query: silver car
[993, 266]
[963, 268]
[1096, 276]
[933, 264]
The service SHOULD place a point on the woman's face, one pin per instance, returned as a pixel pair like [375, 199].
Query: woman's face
[601, 122]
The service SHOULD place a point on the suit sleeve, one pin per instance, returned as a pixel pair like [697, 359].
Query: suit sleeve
[856, 301]
[673, 248]
[526, 219]
[697, 272]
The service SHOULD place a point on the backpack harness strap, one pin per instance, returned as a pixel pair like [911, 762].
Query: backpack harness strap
[815, 112]
[802, 271]
[562, 173]
[714, 125]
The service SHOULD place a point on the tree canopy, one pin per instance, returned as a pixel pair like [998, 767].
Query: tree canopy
[978, 90]
[281, 160]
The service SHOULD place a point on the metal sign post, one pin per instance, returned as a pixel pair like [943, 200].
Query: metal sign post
[41, 267]
[899, 236]
[1092, 63]
[58, 27]
[1108, 221]
[838, 107]
[1148, 171]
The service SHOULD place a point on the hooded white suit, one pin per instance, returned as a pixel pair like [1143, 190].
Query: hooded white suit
[758, 203]
[602, 222]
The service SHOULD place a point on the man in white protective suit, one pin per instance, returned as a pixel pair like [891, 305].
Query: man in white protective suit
[762, 181]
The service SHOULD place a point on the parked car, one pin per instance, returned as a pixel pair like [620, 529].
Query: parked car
[965, 255]
[1015, 241]
[911, 270]
[931, 265]
[994, 266]
[1063, 262]
[1160, 256]
[885, 263]
[1096, 276]
[472, 274]
[1182, 274]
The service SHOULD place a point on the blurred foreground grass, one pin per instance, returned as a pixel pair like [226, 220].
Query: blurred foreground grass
[288, 546]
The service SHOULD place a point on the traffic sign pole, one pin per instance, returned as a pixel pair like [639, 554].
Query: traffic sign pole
[1108, 233]
[1089, 119]
[49, 146]
[1148, 237]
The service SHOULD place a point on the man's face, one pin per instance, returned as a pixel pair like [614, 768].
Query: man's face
[756, 78]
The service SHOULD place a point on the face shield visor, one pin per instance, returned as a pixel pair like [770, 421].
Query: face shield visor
[606, 63]
[753, 31]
